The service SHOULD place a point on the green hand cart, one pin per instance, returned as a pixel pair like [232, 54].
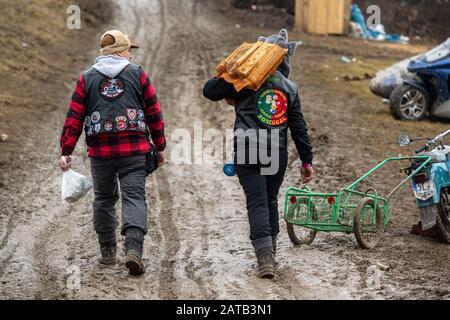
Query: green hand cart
[366, 214]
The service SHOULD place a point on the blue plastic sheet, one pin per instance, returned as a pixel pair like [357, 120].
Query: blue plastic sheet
[366, 33]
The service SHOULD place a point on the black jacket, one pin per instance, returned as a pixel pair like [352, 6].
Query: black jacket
[247, 116]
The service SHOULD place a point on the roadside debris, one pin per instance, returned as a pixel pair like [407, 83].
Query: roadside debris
[359, 29]
[346, 59]
[3, 137]
[382, 267]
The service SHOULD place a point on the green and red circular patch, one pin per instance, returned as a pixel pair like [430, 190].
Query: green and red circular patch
[272, 107]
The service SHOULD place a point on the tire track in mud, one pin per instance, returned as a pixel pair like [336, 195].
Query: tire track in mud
[167, 239]
[30, 219]
[197, 52]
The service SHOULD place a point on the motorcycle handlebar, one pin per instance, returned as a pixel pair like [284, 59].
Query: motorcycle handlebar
[423, 148]
[441, 136]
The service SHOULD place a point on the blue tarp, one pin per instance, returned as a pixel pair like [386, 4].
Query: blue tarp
[366, 33]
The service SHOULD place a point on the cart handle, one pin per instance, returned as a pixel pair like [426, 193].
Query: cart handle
[427, 160]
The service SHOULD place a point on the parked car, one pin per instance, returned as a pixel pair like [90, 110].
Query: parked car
[417, 86]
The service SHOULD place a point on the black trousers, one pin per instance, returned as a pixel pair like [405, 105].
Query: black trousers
[262, 197]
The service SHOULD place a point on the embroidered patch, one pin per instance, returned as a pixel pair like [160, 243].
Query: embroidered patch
[97, 127]
[121, 123]
[111, 89]
[87, 121]
[108, 125]
[141, 115]
[132, 125]
[90, 131]
[141, 125]
[95, 117]
[272, 107]
[131, 114]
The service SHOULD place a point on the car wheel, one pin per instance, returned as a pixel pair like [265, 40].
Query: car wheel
[409, 103]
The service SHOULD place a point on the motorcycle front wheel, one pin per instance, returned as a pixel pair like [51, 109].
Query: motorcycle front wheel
[409, 103]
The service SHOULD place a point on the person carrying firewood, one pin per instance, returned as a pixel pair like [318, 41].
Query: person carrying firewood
[262, 121]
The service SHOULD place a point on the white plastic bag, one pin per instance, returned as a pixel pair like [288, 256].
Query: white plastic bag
[74, 186]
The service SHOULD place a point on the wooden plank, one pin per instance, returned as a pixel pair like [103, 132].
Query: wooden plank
[339, 21]
[311, 26]
[334, 16]
[301, 15]
[319, 16]
[347, 16]
[322, 16]
[305, 14]
[299, 21]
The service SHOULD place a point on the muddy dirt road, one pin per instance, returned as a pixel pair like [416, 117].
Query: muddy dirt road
[198, 246]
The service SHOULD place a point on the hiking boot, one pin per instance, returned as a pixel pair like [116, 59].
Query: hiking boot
[266, 267]
[264, 255]
[135, 265]
[134, 245]
[108, 254]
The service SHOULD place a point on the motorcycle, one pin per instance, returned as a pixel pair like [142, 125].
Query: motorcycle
[431, 185]
[427, 89]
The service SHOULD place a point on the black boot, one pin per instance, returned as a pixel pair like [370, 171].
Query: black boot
[134, 245]
[108, 247]
[265, 257]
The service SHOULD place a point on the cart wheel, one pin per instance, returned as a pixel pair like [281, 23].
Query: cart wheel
[301, 235]
[366, 233]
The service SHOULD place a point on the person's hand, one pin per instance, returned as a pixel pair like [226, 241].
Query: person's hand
[307, 173]
[231, 102]
[65, 163]
[161, 158]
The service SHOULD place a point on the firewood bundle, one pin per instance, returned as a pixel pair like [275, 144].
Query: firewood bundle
[249, 66]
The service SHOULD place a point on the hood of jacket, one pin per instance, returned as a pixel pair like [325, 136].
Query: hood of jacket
[282, 40]
[110, 66]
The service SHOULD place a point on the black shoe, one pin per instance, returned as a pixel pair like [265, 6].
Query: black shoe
[108, 254]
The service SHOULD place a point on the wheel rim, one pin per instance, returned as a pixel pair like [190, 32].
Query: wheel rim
[301, 234]
[369, 226]
[413, 104]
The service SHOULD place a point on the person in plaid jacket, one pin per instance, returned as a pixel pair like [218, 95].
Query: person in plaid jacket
[115, 103]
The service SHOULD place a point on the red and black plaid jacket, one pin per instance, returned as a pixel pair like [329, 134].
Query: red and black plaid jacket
[115, 144]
